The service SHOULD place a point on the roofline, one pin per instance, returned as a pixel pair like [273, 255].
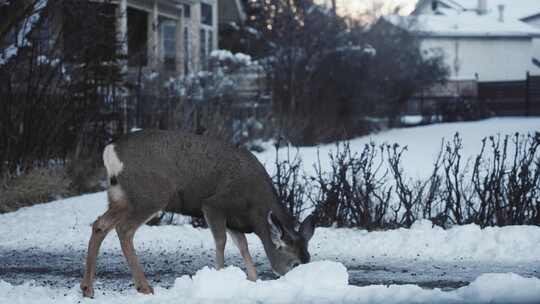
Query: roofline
[425, 34]
[530, 17]
[447, 2]
[418, 4]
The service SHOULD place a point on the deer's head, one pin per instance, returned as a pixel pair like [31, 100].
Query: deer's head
[291, 246]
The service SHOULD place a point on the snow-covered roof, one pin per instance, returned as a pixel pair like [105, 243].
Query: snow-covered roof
[513, 9]
[465, 24]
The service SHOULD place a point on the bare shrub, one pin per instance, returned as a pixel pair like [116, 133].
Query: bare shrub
[369, 189]
[290, 184]
[506, 179]
[354, 193]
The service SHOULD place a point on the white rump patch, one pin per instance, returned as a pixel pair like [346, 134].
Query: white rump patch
[112, 163]
[116, 193]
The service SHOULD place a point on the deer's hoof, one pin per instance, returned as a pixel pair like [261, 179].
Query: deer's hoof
[87, 290]
[252, 277]
[145, 289]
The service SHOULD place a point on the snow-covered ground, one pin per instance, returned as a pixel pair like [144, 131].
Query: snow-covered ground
[318, 282]
[42, 251]
[61, 229]
[423, 143]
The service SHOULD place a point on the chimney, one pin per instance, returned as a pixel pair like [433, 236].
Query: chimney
[482, 7]
[501, 12]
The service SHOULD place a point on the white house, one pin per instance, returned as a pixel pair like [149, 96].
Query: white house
[480, 42]
[526, 11]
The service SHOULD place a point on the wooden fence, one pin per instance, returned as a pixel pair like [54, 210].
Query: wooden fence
[500, 98]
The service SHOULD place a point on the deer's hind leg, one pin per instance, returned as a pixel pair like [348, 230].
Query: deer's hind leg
[101, 227]
[126, 231]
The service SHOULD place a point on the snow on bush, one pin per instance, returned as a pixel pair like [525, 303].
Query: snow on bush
[318, 282]
[225, 55]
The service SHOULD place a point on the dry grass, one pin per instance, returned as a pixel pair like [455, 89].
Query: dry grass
[37, 186]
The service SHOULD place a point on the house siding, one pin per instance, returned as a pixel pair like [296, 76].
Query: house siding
[489, 59]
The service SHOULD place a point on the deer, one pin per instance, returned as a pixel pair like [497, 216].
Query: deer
[151, 171]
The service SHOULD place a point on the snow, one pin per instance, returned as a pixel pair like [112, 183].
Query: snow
[412, 119]
[467, 24]
[223, 55]
[423, 143]
[318, 282]
[73, 217]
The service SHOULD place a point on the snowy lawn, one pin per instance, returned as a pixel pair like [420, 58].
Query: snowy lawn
[423, 143]
[42, 250]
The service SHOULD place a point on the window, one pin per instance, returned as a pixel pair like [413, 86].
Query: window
[137, 37]
[187, 11]
[187, 51]
[206, 14]
[210, 41]
[434, 5]
[202, 46]
[206, 45]
[168, 38]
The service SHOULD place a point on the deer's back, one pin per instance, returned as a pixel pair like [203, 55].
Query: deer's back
[185, 169]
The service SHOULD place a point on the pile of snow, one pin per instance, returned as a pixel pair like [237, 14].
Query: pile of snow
[318, 282]
[423, 241]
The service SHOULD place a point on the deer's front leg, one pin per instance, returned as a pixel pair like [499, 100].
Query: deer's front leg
[241, 242]
[217, 223]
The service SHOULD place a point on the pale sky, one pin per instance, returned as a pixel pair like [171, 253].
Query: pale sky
[356, 7]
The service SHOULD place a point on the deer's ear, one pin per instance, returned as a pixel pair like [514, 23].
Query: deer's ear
[307, 228]
[276, 230]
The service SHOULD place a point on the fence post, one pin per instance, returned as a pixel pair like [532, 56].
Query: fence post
[527, 95]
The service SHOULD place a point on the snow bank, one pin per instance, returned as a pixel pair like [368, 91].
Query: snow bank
[39, 227]
[427, 242]
[318, 282]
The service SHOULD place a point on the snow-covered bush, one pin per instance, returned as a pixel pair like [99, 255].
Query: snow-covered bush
[202, 103]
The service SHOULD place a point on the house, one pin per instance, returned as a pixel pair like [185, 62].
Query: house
[490, 48]
[520, 9]
[181, 33]
[166, 35]
[527, 11]
[477, 43]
